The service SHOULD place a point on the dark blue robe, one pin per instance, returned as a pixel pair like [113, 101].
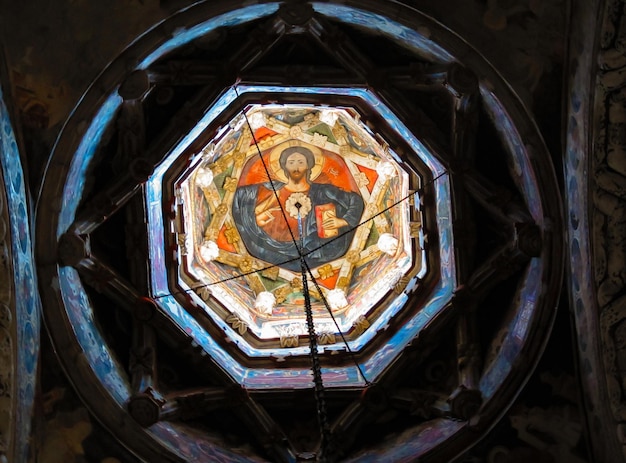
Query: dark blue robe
[318, 251]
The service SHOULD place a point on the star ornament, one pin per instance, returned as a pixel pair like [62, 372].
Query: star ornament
[298, 203]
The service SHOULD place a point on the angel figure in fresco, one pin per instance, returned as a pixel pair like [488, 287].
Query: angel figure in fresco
[327, 212]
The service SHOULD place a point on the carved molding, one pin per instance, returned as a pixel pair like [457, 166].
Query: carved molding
[594, 187]
[607, 193]
[19, 300]
[7, 333]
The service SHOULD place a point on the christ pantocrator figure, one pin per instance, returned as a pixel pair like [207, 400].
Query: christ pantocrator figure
[327, 211]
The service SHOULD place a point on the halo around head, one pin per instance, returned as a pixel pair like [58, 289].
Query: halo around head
[277, 171]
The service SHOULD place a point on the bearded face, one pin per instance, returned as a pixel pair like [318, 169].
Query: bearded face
[297, 167]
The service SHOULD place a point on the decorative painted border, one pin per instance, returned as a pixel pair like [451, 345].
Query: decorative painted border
[595, 192]
[19, 300]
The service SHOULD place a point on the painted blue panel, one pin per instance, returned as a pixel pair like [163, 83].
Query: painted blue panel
[518, 328]
[75, 182]
[229, 19]
[521, 170]
[156, 240]
[27, 301]
[444, 224]
[183, 440]
[98, 356]
[393, 30]
[412, 443]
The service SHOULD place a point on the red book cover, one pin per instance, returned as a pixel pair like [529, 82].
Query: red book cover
[322, 212]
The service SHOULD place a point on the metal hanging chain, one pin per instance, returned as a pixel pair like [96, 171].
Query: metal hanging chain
[332, 316]
[316, 368]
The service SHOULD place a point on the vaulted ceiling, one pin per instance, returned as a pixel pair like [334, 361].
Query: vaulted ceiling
[184, 325]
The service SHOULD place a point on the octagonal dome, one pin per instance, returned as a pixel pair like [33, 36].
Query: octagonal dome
[234, 222]
[235, 237]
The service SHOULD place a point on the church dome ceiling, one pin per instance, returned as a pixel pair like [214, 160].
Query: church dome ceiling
[240, 163]
[247, 278]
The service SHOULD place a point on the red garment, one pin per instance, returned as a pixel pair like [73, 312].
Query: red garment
[276, 228]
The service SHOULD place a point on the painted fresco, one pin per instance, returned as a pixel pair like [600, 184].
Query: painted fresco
[285, 181]
[320, 216]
